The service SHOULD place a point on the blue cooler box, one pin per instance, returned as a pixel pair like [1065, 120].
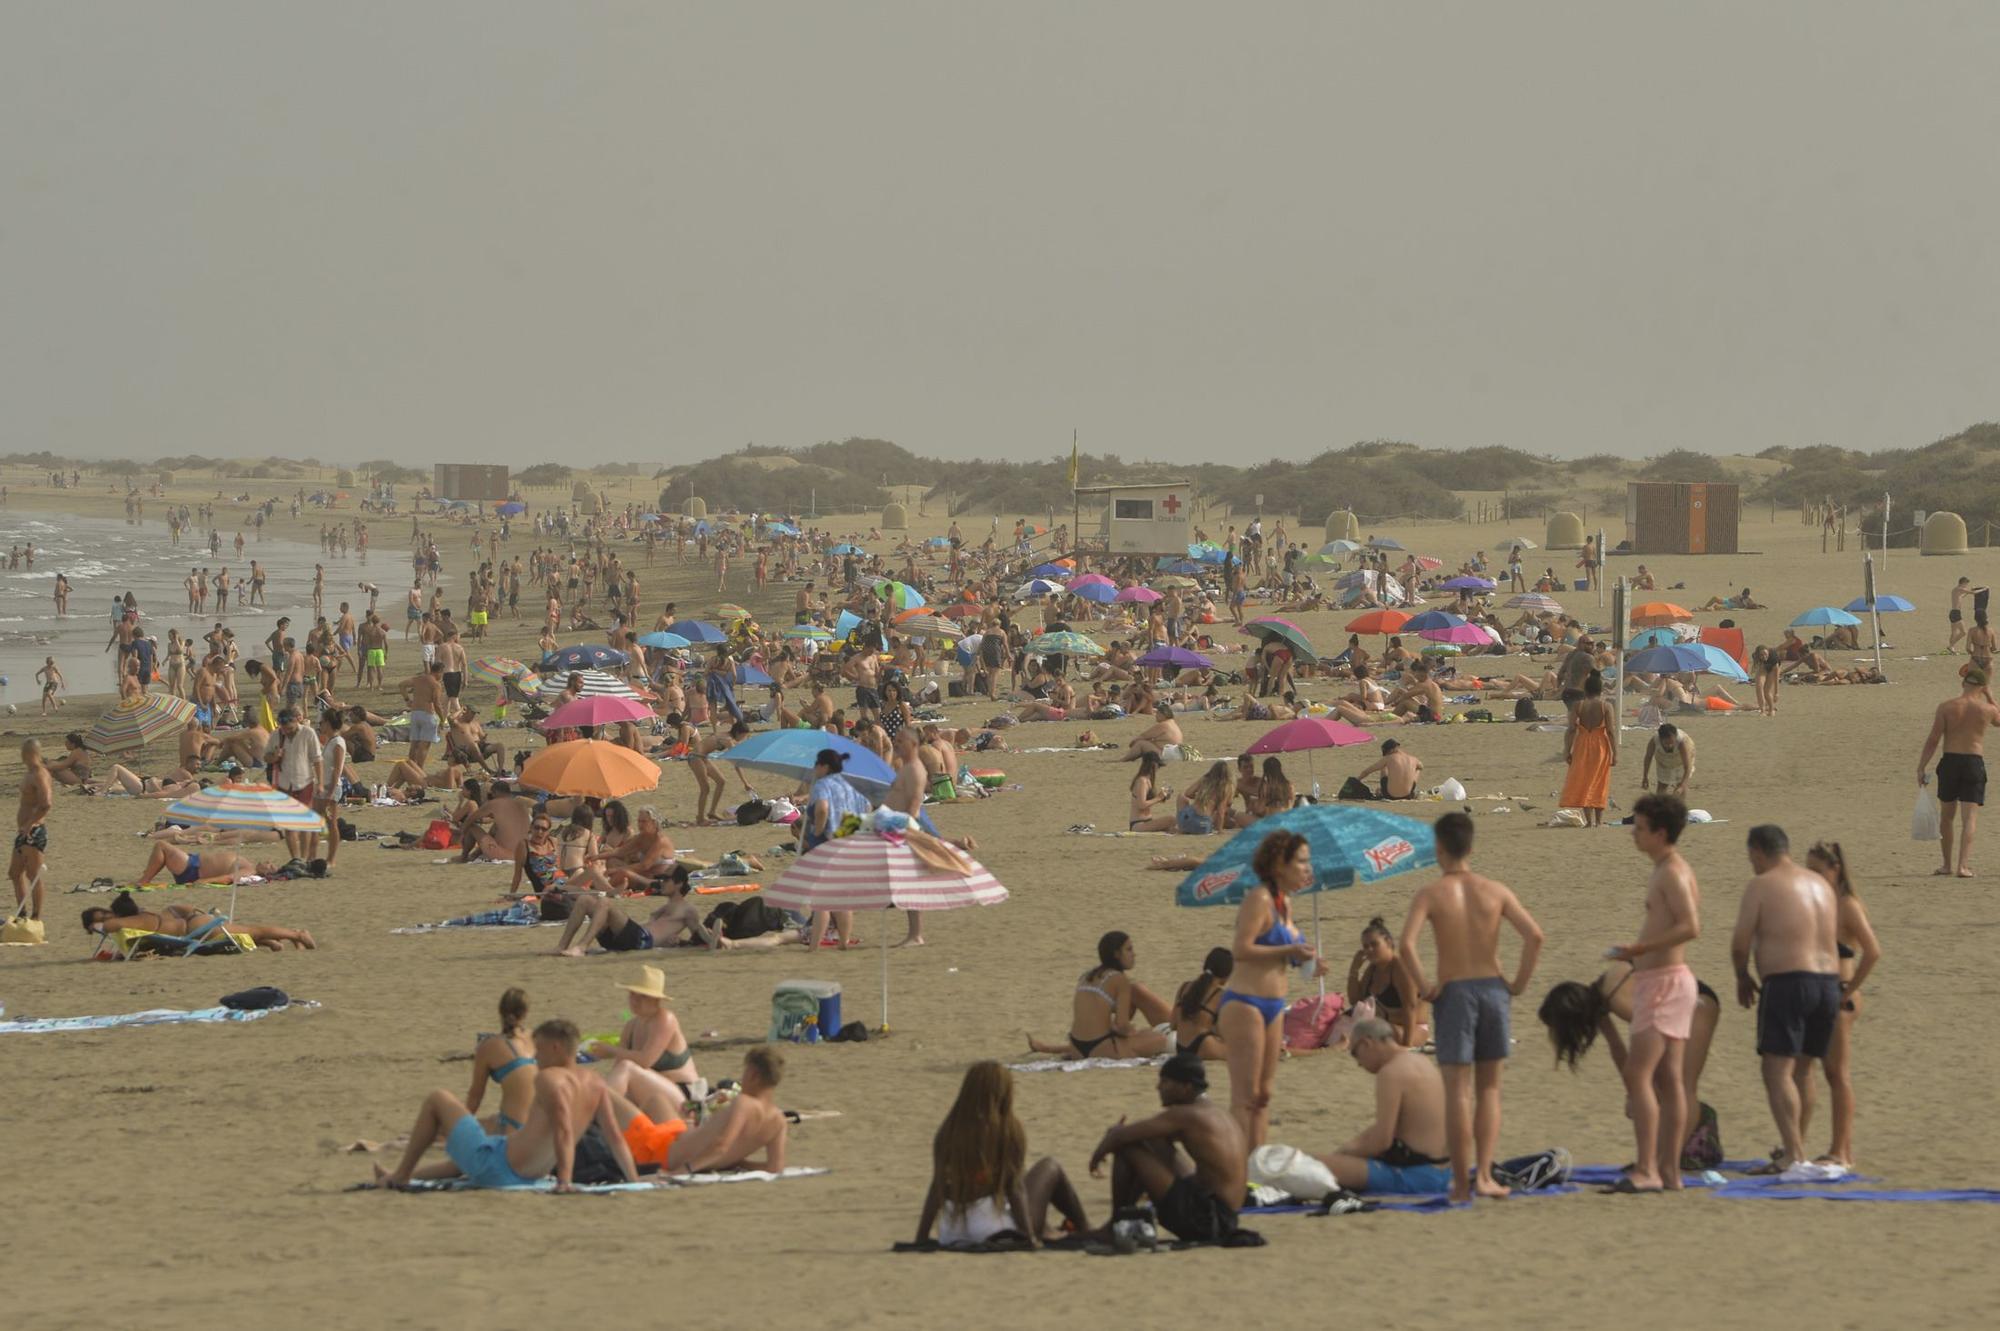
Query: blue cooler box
[824, 995]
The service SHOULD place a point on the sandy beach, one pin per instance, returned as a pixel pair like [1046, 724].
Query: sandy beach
[205, 1166]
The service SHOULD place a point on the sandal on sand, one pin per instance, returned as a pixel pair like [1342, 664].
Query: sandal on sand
[1624, 1187]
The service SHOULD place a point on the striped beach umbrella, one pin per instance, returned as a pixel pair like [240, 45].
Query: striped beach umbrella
[874, 871]
[1539, 602]
[1064, 643]
[595, 683]
[500, 669]
[812, 631]
[929, 626]
[731, 610]
[136, 722]
[246, 806]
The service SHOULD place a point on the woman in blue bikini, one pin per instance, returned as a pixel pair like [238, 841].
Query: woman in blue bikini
[508, 1060]
[1266, 945]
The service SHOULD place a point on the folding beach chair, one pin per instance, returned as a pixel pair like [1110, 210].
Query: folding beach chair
[212, 939]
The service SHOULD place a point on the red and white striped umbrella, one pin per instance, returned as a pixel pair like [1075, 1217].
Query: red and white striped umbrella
[868, 871]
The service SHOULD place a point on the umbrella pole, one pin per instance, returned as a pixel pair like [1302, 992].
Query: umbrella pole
[885, 970]
[1322, 978]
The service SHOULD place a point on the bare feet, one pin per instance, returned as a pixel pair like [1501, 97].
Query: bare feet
[1486, 1187]
[570, 952]
[914, 940]
[384, 1179]
[1941, 873]
[1964, 872]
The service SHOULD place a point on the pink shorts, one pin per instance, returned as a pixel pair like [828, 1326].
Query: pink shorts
[1663, 1000]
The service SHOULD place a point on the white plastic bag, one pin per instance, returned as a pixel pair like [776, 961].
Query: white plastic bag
[1925, 817]
[1291, 1171]
[1452, 790]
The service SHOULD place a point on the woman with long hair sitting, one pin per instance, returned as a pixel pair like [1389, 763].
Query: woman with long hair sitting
[1101, 1016]
[1379, 974]
[981, 1183]
[508, 1061]
[1204, 806]
[1195, 1007]
[1148, 792]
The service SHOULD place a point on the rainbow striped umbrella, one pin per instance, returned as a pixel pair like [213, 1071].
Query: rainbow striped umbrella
[248, 806]
[500, 669]
[137, 722]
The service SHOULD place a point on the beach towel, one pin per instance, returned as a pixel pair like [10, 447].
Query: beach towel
[518, 914]
[1793, 1193]
[655, 1183]
[151, 1017]
[1085, 1064]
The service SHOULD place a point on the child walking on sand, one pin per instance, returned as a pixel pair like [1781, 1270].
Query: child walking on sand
[51, 679]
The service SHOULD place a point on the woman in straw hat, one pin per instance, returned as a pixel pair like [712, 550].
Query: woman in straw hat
[651, 1065]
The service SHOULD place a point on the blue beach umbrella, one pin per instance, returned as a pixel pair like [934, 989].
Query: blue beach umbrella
[699, 630]
[1101, 592]
[663, 641]
[938, 542]
[1722, 663]
[793, 752]
[1207, 554]
[845, 549]
[1653, 638]
[751, 676]
[1823, 615]
[1679, 659]
[1385, 543]
[584, 656]
[508, 510]
[1184, 567]
[1432, 619]
[1468, 583]
[1351, 845]
[1037, 587]
[1884, 604]
[1050, 571]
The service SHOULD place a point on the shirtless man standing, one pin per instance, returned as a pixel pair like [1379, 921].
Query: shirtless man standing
[1663, 998]
[1196, 1198]
[864, 671]
[567, 1099]
[373, 657]
[1470, 1000]
[31, 837]
[1960, 726]
[1959, 595]
[424, 693]
[1789, 922]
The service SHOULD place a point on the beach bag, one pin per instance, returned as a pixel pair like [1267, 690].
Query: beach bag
[794, 1016]
[1353, 789]
[1925, 819]
[1309, 1022]
[262, 998]
[22, 930]
[1703, 1149]
[751, 917]
[752, 811]
[1292, 1172]
[594, 1162]
[437, 836]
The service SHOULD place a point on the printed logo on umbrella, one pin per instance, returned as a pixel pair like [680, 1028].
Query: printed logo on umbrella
[1214, 884]
[1385, 855]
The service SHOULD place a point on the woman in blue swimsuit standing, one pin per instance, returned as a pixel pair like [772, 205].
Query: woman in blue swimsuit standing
[508, 1059]
[1249, 1016]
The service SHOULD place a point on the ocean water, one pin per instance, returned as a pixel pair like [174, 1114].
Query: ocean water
[107, 557]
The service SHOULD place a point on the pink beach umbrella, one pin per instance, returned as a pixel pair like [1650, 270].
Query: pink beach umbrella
[598, 709]
[1308, 733]
[1143, 595]
[1459, 635]
[873, 871]
[1090, 580]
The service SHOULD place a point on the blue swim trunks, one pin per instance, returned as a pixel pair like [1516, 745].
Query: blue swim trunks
[1409, 1180]
[482, 1159]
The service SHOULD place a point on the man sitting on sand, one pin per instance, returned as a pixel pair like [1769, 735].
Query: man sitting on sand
[1196, 1197]
[729, 1138]
[567, 1100]
[1398, 770]
[1403, 1150]
[1156, 738]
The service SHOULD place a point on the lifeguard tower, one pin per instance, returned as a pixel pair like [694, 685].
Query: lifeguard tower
[1151, 519]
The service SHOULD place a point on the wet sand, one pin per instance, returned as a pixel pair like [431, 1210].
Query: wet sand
[205, 1161]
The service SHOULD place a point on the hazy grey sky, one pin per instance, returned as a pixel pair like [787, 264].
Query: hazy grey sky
[653, 231]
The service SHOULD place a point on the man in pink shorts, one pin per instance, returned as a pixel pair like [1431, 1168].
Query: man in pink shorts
[1663, 998]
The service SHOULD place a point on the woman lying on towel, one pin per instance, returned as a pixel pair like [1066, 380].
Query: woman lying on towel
[981, 1182]
[1102, 1008]
[180, 921]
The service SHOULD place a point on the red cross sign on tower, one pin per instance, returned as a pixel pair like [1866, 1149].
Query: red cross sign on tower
[1172, 504]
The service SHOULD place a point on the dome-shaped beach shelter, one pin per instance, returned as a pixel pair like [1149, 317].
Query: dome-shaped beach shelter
[1342, 525]
[895, 518]
[1944, 534]
[1565, 532]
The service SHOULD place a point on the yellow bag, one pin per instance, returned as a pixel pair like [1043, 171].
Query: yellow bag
[22, 931]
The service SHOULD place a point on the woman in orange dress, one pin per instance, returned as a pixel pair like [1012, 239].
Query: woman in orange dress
[1590, 747]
